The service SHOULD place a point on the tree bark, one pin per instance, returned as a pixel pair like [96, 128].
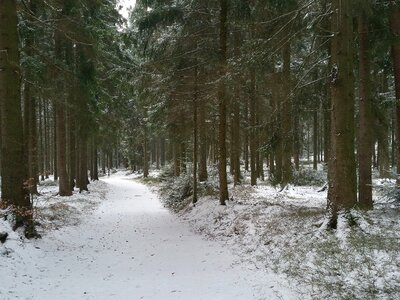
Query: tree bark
[315, 140]
[223, 34]
[286, 118]
[395, 29]
[365, 134]
[59, 104]
[342, 193]
[14, 171]
[194, 199]
[253, 143]
[203, 144]
[236, 119]
[64, 184]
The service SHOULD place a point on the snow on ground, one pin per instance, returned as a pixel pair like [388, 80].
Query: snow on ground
[124, 245]
[281, 231]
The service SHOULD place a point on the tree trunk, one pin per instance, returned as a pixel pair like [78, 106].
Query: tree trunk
[14, 171]
[315, 139]
[30, 124]
[46, 129]
[342, 193]
[203, 144]
[95, 160]
[395, 29]
[246, 135]
[383, 156]
[236, 119]
[296, 142]
[59, 104]
[194, 200]
[41, 138]
[286, 119]
[253, 144]
[64, 184]
[83, 166]
[145, 156]
[364, 150]
[223, 34]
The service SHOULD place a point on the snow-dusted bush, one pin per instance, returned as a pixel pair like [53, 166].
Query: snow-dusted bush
[175, 192]
[309, 177]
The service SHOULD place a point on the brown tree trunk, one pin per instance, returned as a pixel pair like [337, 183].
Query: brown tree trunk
[82, 180]
[41, 140]
[30, 124]
[14, 171]
[383, 156]
[286, 119]
[30, 133]
[296, 142]
[246, 135]
[223, 34]
[195, 146]
[315, 140]
[95, 175]
[236, 119]
[253, 143]
[59, 104]
[47, 150]
[64, 185]
[342, 193]
[145, 155]
[203, 144]
[395, 29]
[162, 152]
[55, 173]
[364, 150]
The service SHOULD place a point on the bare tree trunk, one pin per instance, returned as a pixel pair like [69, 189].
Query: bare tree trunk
[342, 193]
[95, 160]
[194, 200]
[14, 171]
[46, 128]
[246, 135]
[365, 134]
[315, 140]
[252, 108]
[203, 144]
[286, 119]
[236, 119]
[145, 155]
[395, 29]
[64, 185]
[223, 34]
[59, 104]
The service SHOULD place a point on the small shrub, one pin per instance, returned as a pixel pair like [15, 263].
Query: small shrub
[309, 177]
[175, 192]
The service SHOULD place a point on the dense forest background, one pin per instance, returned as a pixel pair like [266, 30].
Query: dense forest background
[243, 87]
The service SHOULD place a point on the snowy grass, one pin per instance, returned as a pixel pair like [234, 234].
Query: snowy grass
[283, 232]
[51, 212]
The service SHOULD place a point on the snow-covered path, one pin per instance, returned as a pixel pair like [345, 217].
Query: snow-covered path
[132, 248]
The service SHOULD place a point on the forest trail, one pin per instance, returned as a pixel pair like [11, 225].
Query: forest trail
[131, 247]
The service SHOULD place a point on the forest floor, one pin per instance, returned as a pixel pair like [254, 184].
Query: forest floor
[118, 242]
